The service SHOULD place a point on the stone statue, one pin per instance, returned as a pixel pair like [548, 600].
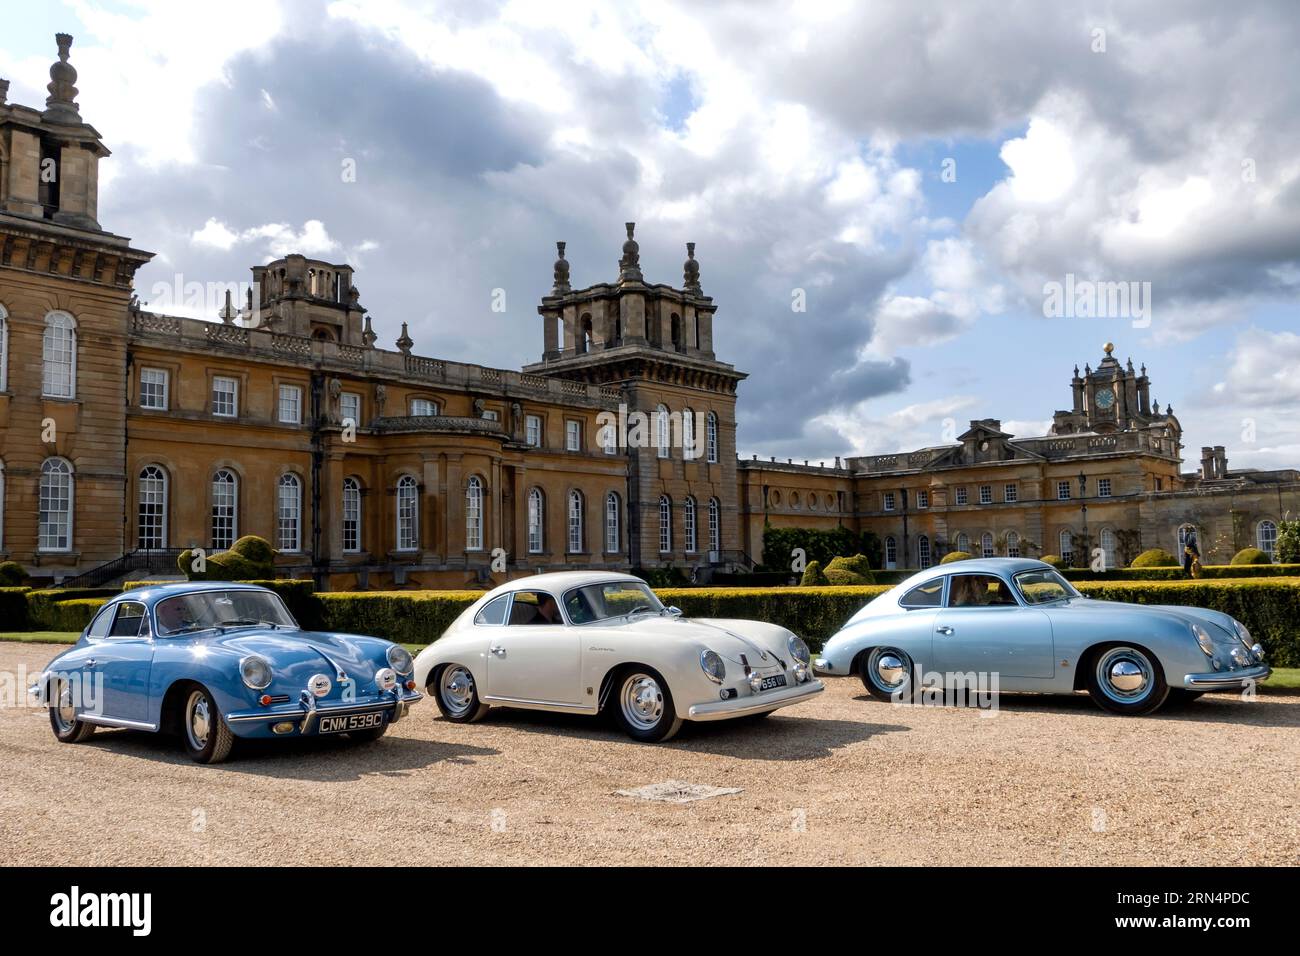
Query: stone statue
[381, 398]
[478, 408]
[517, 420]
[335, 394]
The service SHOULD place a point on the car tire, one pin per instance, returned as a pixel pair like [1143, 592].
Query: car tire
[456, 692]
[369, 735]
[876, 667]
[643, 706]
[63, 719]
[1126, 679]
[206, 736]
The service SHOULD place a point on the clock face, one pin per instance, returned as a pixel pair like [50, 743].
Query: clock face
[1105, 398]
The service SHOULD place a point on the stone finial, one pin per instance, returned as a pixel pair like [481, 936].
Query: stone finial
[368, 335]
[561, 272]
[1155, 408]
[630, 265]
[1108, 348]
[4, 91]
[1076, 371]
[404, 343]
[228, 312]
[691, 271]
[61, 104]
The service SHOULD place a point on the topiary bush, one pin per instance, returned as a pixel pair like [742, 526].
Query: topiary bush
[12, 574]
[952, 556]
[250, 558]
[1056, 561]
[813, 576]
[1251, 556]
[13, 610]
[859, 566]
[1155, 558]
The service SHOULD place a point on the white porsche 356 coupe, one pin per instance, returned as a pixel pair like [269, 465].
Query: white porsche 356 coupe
[586, 642]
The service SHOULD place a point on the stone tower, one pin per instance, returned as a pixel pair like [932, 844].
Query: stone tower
[655, 342]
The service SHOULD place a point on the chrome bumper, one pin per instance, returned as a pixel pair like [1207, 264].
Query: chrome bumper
[1230, 680]
[307, 710]
[755, 704]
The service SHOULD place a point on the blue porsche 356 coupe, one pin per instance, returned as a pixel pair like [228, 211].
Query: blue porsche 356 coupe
[213, 661]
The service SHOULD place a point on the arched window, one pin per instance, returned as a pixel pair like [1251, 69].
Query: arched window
[923, 551]
[288, 524]
[151, 509]
[4, 349]
[225, 507]
[55, 520]
[1184, 531]
[675, 330]
[1266, 538]
[662, 430]
[536, 521]
[351, 515]
[665, 524]
[711, 437]
[575, 522]
[891, 552]
[424, 408]
[688, 518]
[1013, 544]
[613, 513]
[408, 514]
[1066, 541]
[59, 352]
[715, 525]
[584, 335]
[689, 451]
[474, 514]
[963, 542]
[986, 545]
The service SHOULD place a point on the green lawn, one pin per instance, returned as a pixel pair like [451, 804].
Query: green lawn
[41, 637]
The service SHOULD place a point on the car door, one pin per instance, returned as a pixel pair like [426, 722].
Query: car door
[535, 656]
[125, 659]
[75, 671]
[983, 627]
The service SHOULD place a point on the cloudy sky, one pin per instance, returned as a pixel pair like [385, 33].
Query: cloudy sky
[919, 171]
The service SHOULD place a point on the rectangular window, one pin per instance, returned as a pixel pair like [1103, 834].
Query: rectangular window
[572, 435]
[1011, 492]
[961, 496]
[350, 408]
[1062, 490]
[290, 404]
[986, 494]
[225, 396]
[533, 430]
[923, 499]
[153, 388]
[490, 415]
[889, 501]
[423, 408]
[1103, 488]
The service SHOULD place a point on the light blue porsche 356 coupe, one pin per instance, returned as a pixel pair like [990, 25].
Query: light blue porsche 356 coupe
[1022, 621]
[213, 661]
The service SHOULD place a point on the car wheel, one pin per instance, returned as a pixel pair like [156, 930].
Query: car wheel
[1126, 680]
[457, 695]
[63, 717]
[368, 735]
[205, 734]
[887, 674]
[644, 707]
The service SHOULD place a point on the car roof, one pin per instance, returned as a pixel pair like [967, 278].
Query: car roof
[156, 592]
[557, 581]
[999, 566]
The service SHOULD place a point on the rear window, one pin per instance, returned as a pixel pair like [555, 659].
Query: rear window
[929, 594]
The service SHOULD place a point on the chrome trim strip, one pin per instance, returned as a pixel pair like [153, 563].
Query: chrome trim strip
[1229, 681]
[535, 703]
[314, 712]
[811, 689]
[116, 722]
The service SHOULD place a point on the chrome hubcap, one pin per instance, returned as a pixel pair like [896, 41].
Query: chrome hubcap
[198, 722]
[1125, 675]
[887, 669]
[642, 701]
[457, 690]
[65, 713]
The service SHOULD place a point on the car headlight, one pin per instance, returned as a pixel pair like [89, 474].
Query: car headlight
[1240, 656]
[385, 678]
[713, 666]
[798, 649]
[256, 672]
[399, 659]
[319, 685]
[1203, 638]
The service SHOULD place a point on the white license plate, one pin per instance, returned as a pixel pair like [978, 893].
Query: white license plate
[342, 724]
[776, 680]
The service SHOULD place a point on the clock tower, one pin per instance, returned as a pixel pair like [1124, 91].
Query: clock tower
[1110, 398]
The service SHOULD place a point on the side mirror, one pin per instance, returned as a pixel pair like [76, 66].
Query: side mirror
[674, 611]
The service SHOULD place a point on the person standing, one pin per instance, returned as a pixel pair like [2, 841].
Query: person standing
[1191, 555]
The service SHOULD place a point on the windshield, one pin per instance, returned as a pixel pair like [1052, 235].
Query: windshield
[204, 609]
[600, 602]
[1044, 585]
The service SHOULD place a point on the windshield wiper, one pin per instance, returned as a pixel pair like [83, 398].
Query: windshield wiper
[248, 622]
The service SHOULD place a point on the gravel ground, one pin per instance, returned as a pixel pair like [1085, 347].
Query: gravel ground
[841, 779]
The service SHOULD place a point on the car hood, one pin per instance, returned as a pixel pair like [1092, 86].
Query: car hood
[1178, 613]
[729, 638]
[297, 655]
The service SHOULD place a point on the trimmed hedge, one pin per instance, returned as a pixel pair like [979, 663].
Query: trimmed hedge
[952, 556]
[13, 610]
[12, 574]
[1218, 571]
[813, 575]
[72, 615]
[408, 617]
[1251, 556]
[43, 606]
[1155, 558]
[812, 613]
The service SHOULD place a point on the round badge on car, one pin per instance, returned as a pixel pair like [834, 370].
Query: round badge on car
[319, 685]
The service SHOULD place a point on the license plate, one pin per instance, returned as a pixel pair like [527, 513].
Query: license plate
[776, 680]
[342, 724]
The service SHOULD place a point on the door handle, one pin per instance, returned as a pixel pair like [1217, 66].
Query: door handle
[497, 650]
[944, 629]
